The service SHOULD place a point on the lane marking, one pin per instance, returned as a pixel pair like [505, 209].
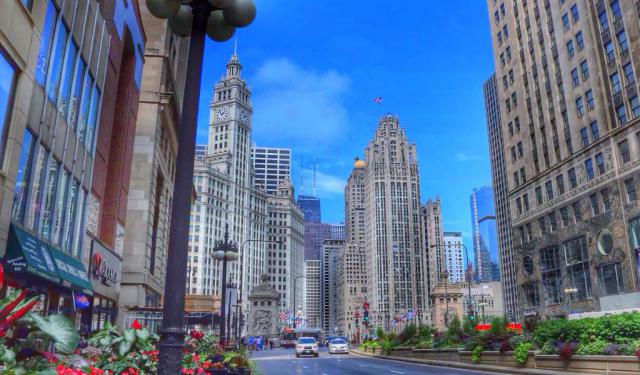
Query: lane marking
[397, 372]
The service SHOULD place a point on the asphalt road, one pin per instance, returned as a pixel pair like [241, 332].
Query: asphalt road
[283, 361]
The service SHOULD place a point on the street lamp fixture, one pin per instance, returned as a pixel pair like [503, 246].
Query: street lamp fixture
[194, 18]
[225, 251]
[295, 307]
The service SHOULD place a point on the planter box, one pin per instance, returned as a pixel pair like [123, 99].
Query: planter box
[402, 352]
[590, 364]
[450, 355]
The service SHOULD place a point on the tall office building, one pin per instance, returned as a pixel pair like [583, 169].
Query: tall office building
[570, 110]
[331, 251]
[338, 232]
[453, 256]
[314, 235]
[271, 167]
[310, 207]
[312, 294]
[201, 151]
[431, 215]
[501, 198]
[394, 240]
[226, 198]
[483, 229]
[285, 254]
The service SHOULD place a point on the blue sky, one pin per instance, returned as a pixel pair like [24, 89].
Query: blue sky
[315, 66]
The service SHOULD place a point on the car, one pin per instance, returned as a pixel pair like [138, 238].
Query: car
[338, 346]
[307, 346]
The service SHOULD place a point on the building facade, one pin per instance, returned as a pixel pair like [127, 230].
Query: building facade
[485, 240]
[338, 232]
[453, 256]
[486, 299]
[434, 242]
[500, 195]
[312, 294]
[570, 112]
[394, 239]
[310, 207]
[314, 235]
[271, 167]
[153, 165]
[331, 252]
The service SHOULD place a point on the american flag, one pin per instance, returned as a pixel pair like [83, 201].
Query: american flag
[378, 100]
[283, 316]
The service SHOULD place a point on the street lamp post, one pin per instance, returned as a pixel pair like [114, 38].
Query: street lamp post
[225, 251]
[445, 275]
[295, 286]
[218, 19]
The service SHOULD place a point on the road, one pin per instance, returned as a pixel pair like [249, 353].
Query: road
[283, 362]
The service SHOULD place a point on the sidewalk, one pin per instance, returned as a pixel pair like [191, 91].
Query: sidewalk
[466, 366]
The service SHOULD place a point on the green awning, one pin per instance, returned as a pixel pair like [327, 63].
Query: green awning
[26, 253]
[71, 271]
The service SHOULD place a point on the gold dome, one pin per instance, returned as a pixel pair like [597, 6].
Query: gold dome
[359, 164]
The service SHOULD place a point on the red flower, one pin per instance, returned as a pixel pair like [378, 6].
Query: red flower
[50, 357]
[136, 324]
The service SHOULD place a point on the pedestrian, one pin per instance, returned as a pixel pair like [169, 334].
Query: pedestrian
[270, 344]
[266, 342]
[259, 343]
[251, 342]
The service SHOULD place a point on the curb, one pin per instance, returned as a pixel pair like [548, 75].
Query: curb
[465, 366]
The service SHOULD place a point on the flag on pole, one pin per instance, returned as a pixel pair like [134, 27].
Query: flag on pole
[378, 100]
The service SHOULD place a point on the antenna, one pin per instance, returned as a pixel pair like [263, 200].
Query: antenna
[314, 176]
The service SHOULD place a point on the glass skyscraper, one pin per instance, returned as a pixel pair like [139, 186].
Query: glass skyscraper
[485, 241]
[310, 207]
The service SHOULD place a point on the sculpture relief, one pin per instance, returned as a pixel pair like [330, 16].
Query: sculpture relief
[262, 322]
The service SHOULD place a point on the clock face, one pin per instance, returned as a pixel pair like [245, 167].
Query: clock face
[222, 114]
[244, 116]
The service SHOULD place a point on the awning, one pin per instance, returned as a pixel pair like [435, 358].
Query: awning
[71, 271]
[26, 253]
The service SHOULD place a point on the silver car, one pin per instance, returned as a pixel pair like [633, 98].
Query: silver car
[338, 346]
[307, 346]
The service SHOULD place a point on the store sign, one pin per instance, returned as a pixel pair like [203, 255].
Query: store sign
[105, 266]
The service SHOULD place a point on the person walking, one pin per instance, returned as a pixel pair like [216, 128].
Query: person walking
[266, 342]
[259, 343]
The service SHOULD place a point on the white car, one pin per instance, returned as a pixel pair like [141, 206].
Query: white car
[307, 346]
[338, 346]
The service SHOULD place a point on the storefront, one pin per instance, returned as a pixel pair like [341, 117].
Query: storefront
[42, 268]
[105, 269]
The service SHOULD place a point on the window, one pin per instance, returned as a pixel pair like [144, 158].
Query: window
[570, 49]
[520, 149]
[635, 106]
[66, 80]
[523, 175]
[85, 103]
[588, 168]
[49, 198]
[593, 200]
[510, 129]
[580, 106]
[542, 225]
[538, 195]
[595, 134]
[590, 102]
[550, 267]
[525, 200]
[615, 9]
[575, 77]
[552, 222]
[7, 83]
[45, 44]
[565, 21]
[621, 113]
[36, 182]
[630, 188]
[530, 291]
[93, 119]
[584, 67]
[76, 93]
[600, 163]
[573, 180]
[549, 188]
[611, 279]
[55, 61]
[606, 200]
[585, 137]
[22, 178]
[519, 206]
[611, 57]
[560, 184]
[516, 179]
[623, 148]
[580, 41]
[513, 153]
[564, 214]
[616, 86]
[622, 41]
[574, 13]
[528, 229]
[577, 263]
[505, 31]
[577, 211]
[628, 73]
[604, 22]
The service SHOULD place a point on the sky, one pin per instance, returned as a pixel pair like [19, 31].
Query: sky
[315, 67]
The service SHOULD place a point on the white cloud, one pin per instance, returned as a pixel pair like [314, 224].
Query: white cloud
[298, 106]
[461, 156]
[326, 184]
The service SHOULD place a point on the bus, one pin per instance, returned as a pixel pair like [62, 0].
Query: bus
[290, 336]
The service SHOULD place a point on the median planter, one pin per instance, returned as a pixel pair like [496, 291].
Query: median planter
[449, 355]
[590, 364]
[402, 352]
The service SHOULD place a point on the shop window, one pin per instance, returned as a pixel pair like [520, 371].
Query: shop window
[34, 200]
[58, 214]
[49, 198]
[611, 279]
[577, 265]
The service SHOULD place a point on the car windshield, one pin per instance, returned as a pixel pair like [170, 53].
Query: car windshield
[338, 341]
[308, 340]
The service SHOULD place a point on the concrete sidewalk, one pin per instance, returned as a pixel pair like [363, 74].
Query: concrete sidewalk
[467, 366]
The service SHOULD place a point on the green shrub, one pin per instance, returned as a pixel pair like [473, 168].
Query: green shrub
[591, 347]
[455, 327]
[380, 333]
[387, 346]
[425, 331]
[424, 343]
[548, 348]
[476, 353]
[521, 352]
[498, 326]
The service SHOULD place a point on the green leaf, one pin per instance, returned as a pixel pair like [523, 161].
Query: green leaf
[7, 355]
[60, 329]
[124, 347]
[129, 335]
[143, 334]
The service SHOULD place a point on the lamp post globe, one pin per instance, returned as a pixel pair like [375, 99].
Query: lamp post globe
[218, 255]
[232, 256]
[241, 13]
[217, 28]
[181, 22]
[163, 8]
[221, 4]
